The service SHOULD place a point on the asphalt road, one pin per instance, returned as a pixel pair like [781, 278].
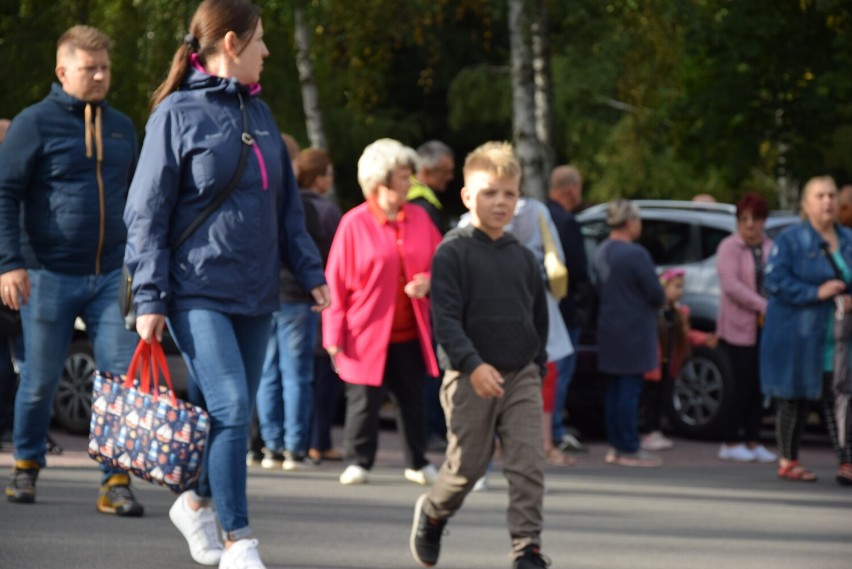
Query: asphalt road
[696, 512]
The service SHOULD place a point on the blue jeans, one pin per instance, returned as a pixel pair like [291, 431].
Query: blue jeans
[56, 300]
[224, 355]
[564, 372]
[285, 395]
[622, 412]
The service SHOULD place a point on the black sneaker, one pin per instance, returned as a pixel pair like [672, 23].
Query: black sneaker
[426, 535]
[531, 558]
[21, 488]
[116, 498]
[254, 457]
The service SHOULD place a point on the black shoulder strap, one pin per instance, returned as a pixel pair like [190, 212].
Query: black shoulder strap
[220, 199]
[827, 252]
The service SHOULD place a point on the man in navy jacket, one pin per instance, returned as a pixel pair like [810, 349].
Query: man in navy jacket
[65, 168]
[565, 186]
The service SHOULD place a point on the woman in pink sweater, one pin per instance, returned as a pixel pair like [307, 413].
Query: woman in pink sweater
[740, 259]
[378, 331]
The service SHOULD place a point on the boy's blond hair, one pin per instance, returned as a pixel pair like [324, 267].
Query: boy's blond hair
[494, 157]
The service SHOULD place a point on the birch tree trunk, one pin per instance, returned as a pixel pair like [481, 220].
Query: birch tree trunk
[543, 85]
[526, 142]
[310, 97]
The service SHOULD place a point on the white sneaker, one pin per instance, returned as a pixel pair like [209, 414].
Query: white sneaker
[738, 453]
[763, 454]
[481, 484]
[199, 529]
[272, 459]
[354, 474]
[655, 441]
[426, 476]
[242, 555]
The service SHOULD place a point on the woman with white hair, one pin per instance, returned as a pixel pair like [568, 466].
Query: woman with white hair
[378, 332]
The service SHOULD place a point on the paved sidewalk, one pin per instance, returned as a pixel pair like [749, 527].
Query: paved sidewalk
[696, 512]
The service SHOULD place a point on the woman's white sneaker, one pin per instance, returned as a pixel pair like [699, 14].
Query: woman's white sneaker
[199, 529]
[242, 555]
[426, 476]
[763, 454]
[737, 453]
[354, 474]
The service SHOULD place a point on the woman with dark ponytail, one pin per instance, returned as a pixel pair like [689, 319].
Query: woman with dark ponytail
[213, 277]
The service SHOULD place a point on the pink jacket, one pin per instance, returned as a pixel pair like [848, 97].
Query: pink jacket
[362, 273]
[740, 304]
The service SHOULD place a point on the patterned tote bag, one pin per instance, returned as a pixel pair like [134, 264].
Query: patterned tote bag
[138, 425]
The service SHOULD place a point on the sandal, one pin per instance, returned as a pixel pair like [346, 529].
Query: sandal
[844, 474]
[556, 457]
[796, 472]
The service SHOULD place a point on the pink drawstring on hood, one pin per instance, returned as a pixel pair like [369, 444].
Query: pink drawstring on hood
[254, 90]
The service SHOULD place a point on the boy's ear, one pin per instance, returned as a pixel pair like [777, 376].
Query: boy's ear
[465, 197]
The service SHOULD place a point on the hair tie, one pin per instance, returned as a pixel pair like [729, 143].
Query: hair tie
[191, 41]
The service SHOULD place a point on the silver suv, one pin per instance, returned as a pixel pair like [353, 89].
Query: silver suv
[683, 234]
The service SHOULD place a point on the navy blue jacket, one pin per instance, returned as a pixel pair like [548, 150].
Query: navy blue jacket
[230, 263]
[44, 171]
[575, 257]
[630, 296]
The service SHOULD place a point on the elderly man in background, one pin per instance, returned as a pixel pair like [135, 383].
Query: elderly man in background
[435, 168]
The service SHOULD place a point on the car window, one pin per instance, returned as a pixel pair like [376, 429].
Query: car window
[710, 239]
[593, 233]
[666, 241]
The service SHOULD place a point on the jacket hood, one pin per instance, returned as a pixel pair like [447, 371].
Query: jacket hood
[471, 231]
[69, 102]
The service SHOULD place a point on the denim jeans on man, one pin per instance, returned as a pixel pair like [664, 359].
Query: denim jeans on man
[622, 412]
[56, 300]
[564, 372]
[224, 355]
[285, 396]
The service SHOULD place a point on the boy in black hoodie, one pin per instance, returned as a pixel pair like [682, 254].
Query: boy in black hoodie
[490, 322]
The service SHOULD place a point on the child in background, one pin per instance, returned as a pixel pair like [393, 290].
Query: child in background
[676, 341]
[490, 316]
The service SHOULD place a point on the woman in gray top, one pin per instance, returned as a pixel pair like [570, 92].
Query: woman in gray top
[630, 295]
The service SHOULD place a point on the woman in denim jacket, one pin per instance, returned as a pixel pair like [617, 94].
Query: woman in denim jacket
[797, 346]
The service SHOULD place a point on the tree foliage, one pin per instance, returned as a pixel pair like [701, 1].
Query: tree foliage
[652, 98]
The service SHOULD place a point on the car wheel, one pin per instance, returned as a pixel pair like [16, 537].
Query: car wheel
[702, 395]
[72, 406]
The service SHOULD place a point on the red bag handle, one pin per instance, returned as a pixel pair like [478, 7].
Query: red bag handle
[148, 359]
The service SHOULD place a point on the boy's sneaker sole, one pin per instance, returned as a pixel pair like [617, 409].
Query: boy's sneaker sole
[425, 558]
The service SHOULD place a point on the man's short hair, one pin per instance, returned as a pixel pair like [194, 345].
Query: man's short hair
[83, 37]
[493, 157]
[430, 152]
[565, 176]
